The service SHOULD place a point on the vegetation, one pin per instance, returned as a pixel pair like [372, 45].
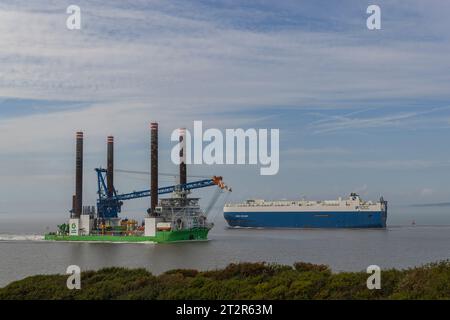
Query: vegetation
[239, 281]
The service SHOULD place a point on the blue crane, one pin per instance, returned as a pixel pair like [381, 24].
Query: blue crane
[109, 207]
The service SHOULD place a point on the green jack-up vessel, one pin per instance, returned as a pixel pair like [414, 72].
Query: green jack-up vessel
[180, 219]
[173, 219]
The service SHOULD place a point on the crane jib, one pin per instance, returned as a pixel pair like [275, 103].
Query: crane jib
[165, 190]
[109, 207]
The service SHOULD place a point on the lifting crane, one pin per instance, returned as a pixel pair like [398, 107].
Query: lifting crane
[110, 206]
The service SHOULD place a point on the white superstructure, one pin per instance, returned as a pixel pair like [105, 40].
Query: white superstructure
[352, 203]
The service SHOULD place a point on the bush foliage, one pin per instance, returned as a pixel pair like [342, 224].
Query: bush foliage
[239, 281]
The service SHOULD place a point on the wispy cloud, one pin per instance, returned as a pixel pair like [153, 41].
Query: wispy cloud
[383, 164]
[347, 122]
[148, 52]
[317, 151]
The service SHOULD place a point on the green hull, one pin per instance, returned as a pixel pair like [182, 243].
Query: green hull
[161, 237]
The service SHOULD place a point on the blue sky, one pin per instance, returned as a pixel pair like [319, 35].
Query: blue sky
[358, 110]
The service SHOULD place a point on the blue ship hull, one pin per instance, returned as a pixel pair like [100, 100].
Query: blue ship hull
[372, 219]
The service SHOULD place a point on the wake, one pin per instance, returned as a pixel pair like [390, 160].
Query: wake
[21, 237]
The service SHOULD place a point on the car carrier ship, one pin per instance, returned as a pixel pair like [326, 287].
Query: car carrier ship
[352, 212]
[176, 218]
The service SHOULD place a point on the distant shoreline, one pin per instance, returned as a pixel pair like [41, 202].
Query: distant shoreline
[440, 204]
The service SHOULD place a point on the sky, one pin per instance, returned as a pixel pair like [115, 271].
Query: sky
[358, 110]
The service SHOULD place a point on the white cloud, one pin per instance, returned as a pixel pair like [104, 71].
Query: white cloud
[150, 55]
[52, 132]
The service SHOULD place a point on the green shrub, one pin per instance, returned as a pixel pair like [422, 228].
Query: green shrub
[239, 281]
[305, 266]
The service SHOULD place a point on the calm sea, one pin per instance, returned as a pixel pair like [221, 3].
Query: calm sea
[401, 245]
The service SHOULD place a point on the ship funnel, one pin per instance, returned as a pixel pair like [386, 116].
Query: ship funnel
[153, 168]
[77, 201]
[110, 167]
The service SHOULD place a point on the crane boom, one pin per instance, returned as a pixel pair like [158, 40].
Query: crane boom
[110, 206]
[169, 189]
